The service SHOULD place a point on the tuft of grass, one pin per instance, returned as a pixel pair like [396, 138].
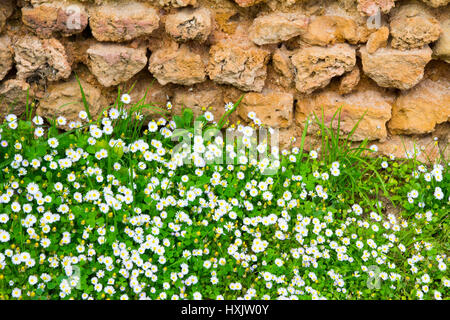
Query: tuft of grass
[356, 168]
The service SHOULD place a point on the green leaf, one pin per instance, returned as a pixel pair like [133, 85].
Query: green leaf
[188, 115]
[91, 149]
[179, 121]
[100, 221]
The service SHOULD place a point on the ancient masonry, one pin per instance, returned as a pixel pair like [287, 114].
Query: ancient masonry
[388, 59]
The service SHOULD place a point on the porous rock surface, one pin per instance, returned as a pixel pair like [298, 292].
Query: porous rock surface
[385, 59]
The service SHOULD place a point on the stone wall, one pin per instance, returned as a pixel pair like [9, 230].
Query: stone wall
[386, 59]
